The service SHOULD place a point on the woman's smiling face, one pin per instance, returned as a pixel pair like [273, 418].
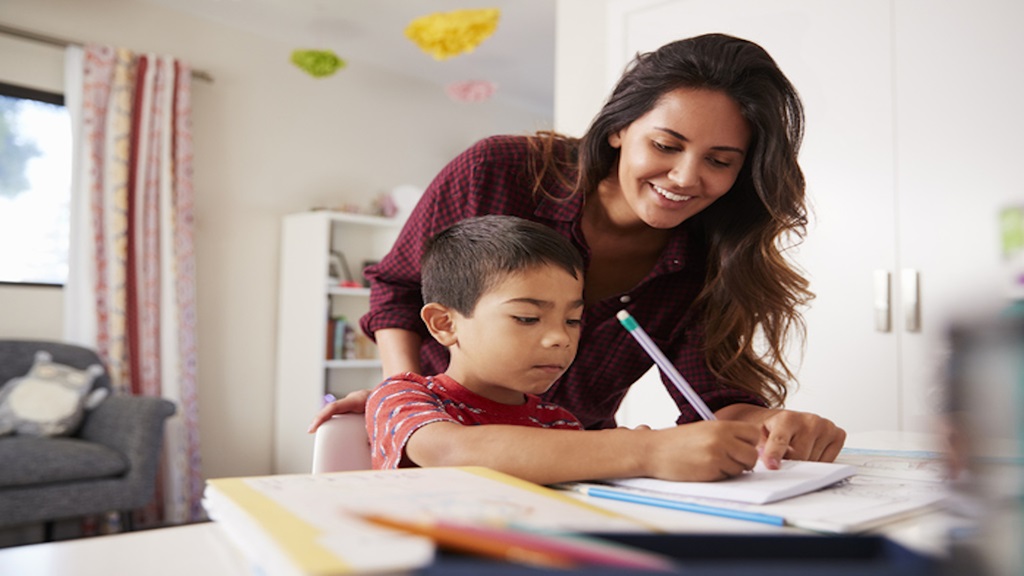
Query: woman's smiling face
[681, 156]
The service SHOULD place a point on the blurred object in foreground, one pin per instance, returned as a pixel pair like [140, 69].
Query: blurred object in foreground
[1012, 227]
[986, 401]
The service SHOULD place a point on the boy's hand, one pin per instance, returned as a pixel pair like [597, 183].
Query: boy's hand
[353, 402]
[702, 451]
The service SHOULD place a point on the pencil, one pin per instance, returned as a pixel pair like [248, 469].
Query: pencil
[633, 327]
[459, 538]
[635, 498]
[526, 547]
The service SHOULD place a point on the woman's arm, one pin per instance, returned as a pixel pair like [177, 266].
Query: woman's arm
[395, 284]
[694, 452]
[399, 350]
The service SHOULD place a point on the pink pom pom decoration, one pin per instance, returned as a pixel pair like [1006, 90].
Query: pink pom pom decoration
[471, 90]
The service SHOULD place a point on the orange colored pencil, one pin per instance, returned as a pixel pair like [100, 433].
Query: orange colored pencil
[553, 550]
[471, 540]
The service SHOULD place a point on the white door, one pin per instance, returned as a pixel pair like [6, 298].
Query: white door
[959, 93]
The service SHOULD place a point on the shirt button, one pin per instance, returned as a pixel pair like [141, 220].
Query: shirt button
[625, 299]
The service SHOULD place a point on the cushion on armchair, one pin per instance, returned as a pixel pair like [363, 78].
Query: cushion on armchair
[50, 399]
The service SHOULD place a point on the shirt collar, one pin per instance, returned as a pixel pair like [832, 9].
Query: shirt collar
[559, 210]
[673, 256]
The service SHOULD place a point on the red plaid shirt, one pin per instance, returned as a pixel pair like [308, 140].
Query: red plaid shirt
[491, 178]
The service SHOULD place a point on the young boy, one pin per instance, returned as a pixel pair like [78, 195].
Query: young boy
[505, 296]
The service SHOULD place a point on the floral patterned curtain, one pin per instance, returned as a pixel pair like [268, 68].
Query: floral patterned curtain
[131, 287]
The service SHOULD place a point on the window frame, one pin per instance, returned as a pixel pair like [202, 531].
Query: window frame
[26, 93]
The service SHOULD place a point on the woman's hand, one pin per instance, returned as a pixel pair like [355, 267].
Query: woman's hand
[353, 402]
[789, 434]
[399, 352]
[799, 436]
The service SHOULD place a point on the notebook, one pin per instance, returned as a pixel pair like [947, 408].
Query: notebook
[887, 487]
[759, 486]
[306, 524]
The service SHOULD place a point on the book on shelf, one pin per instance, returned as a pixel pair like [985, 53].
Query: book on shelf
[348, 343]
[345, 341]
[340, 328]
[329, 353]
[339, 339]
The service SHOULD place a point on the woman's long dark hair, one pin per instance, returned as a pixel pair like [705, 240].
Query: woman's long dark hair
[752, 294]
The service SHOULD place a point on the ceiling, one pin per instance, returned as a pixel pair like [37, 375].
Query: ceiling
[519, 57]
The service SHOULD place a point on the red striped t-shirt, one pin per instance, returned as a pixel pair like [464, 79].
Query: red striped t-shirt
[404, 403]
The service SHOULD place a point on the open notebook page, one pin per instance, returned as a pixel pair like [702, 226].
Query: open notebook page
[759, 486]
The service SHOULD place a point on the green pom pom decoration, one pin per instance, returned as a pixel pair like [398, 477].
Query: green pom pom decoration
[317, 63]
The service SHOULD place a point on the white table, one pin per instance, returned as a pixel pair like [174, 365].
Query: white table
[192, 550]
[202, 549]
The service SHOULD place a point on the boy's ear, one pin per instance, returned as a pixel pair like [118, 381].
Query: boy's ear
[441, 323]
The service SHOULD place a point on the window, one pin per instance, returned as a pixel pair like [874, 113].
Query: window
[35, 186]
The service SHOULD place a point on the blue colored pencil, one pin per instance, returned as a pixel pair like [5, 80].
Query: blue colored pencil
[635, 498]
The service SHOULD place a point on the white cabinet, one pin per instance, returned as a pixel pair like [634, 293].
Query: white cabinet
[958, 148]
[306, 299]
[910, 152]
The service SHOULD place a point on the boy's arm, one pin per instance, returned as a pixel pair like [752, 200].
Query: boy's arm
[700, 451]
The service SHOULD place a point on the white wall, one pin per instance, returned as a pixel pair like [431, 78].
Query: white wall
[582, 84]
[580, 63]
[268, 140]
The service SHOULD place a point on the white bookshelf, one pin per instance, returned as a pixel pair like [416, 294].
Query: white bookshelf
[304, 374]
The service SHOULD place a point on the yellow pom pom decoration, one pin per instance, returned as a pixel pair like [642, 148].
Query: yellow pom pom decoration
[447, 34]
[317, 63]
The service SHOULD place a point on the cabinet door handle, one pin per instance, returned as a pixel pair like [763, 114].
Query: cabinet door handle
[911, 299]
[883, 315]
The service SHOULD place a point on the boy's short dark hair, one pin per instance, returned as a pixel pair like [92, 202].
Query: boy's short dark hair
[463, 261]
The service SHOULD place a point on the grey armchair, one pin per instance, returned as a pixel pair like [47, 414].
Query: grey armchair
[109, 464]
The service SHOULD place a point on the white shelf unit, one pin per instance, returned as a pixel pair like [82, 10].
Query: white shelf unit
[304, 373]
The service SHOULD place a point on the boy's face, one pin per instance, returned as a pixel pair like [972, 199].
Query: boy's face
[522, 336]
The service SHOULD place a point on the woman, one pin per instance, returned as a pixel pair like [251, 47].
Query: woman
[679, 196]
